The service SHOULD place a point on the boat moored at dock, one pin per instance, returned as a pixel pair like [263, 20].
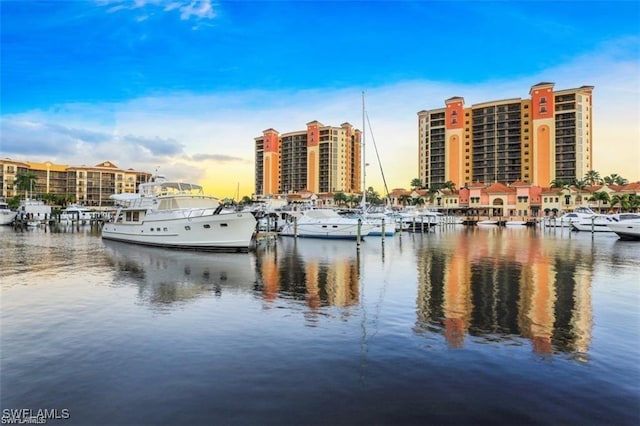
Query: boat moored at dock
[6, 214]
[325, 223]
[178, 215]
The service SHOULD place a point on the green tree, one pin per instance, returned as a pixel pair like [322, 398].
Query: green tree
[592, 177]
[26, 182]
[559, 183]
[246, 200]
[373, 197]
[600, 197]
[615, 179]
[580, 185]
[416, 183]
[405, 199]
[623, 200]
[634, 202]
[451, 186]
[339, 198]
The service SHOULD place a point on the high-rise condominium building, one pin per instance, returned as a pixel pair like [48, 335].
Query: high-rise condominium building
[537, 140]
[319, 159]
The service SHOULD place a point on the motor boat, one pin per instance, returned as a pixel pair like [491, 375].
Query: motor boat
[565, 220]
[627, 229]
[178, 215]
[324, 223]
[76, 213]
[6, 214]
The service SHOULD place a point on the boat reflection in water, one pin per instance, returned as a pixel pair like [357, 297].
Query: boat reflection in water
[166, 276]
[505, 287]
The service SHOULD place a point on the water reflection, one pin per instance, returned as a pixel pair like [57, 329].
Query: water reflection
[165, 276]
[318, 273]
[495, 285]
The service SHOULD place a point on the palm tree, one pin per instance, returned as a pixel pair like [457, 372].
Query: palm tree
[339, 198]
[451, 186]
[592, 177]
[634, 202]
[600, 197]
[580, 186]
[416, 183]
[623, 200]
[372, 196]
[25, 182]
[615, 179]
[405, 199]
[558, 183]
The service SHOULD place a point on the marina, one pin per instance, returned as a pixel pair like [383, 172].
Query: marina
[458, 325]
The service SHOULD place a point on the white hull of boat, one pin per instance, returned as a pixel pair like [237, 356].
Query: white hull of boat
[326, 230]
[627, 230]
[589, 226]
[515, 223]
[487, 222]
[224, 232]
[7, 217]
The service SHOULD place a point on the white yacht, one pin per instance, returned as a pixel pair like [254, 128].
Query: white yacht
[565, 220]
[178, 215]
[76, 213]
[6, 214]
[628, 229]
[324, 223]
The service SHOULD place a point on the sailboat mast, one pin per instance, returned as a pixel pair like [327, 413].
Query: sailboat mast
[364, 163]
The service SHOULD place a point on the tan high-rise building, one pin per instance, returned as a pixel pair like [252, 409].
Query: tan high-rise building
[548, 136]
[319, 159]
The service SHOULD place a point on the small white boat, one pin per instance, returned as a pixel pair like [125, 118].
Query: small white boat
[178, 215]
[324, 223]
[487, 222]
[76, 213]
[515, 223]
[6, 214]
[627, 229]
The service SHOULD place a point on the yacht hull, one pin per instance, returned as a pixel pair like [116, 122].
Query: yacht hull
[7, 217]
[215, 232]
[627, 231]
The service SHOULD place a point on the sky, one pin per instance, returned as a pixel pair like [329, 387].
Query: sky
[184, 87]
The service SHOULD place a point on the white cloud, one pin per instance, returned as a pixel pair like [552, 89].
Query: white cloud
[211, 137]
[198, 9]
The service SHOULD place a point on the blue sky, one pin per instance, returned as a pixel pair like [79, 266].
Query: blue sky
[186, 85]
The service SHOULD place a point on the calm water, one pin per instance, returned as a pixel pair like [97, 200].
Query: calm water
[477, 326]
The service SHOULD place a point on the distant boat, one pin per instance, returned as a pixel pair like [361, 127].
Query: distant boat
[487, 222]
[76, 212]
[324, 223]
[6, 214]
[565, 220]
[178, 215]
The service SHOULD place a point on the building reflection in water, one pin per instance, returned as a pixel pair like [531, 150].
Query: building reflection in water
[166, 277]
[492, 284]
[318, 274]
